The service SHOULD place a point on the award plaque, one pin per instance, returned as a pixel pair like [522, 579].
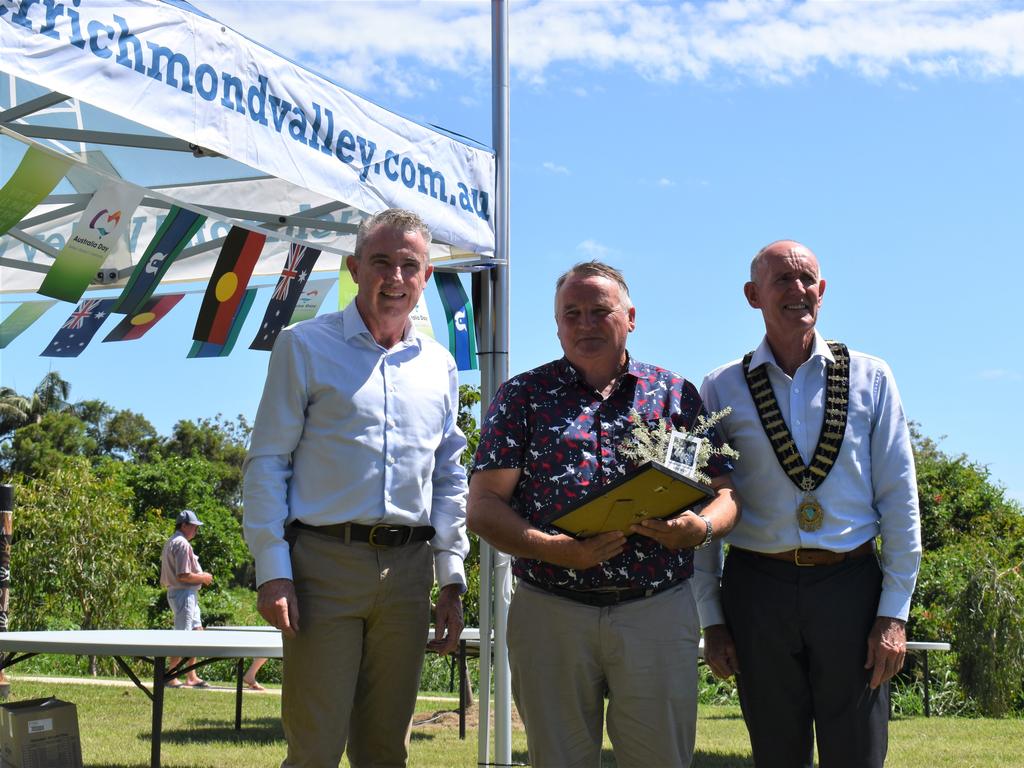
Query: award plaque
[651, 490]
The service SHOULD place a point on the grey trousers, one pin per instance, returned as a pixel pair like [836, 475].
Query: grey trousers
[352, 673]
[566, 656]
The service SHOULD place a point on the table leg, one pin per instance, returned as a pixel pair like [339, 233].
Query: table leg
[463, 682]
[158, 709]
[927, 695]
[238, 695]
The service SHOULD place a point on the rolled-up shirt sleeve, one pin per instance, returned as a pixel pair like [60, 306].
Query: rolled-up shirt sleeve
[268, 465]
[448, 499]
[894, 481]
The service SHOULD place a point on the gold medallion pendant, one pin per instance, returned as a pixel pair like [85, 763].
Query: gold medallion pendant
[809, 514]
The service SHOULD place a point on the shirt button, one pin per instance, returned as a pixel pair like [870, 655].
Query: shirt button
[391, 423]
[391, 459]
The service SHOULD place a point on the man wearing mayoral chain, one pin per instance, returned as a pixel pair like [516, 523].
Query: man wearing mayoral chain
[810, 617]
[605, 616]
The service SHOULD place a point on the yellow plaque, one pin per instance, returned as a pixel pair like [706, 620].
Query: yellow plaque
[651, 490]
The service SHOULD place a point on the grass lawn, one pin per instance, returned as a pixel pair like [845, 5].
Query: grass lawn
[199, 731]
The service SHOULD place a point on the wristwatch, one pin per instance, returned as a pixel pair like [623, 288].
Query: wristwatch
[707, 534]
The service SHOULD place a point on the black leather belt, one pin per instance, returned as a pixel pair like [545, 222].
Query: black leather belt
[382, 535]
[809, 557]
[602, 598]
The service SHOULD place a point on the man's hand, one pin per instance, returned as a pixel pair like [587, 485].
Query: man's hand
[683, 532]
[580, 554]
[720, 651]
[206, 578]
[447, 621]
[887, 647]
[277, 603]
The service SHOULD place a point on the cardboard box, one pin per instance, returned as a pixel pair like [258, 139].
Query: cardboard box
[40, 733]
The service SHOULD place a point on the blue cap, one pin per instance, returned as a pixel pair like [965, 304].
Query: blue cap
[187, 516]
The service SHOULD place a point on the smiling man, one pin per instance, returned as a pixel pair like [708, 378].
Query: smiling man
[607, 615]
[807, 618]
[352, 469]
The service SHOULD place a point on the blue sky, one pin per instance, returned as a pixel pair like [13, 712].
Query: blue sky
[673, 141]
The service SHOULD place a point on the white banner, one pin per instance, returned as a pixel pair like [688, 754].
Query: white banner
[189, 76]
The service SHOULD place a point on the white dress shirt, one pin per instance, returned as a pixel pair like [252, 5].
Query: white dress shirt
[350, 432]
[870, 491]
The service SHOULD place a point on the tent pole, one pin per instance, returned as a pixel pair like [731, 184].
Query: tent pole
[499, 358]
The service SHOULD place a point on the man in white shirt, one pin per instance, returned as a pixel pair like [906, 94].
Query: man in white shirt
[809, 617]
[352, 469]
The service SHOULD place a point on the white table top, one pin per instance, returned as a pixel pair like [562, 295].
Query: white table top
[228, 644]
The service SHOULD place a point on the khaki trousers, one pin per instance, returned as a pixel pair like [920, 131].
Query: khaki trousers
[352, 672]
[565, 656]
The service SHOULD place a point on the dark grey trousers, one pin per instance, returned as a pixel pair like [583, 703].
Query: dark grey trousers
[801, 639]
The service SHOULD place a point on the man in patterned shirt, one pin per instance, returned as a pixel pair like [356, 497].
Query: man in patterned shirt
[609, 614]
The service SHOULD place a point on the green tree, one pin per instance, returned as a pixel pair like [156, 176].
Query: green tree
[222, 443]
[78, 556]
[35, 448]
[15, 410]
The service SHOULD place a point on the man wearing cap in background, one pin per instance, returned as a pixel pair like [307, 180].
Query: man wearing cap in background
[181, 574]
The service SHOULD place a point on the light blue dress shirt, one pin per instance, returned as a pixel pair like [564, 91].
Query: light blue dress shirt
[348, 431]
[870, 491]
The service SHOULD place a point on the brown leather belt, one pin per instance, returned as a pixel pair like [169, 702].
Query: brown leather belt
[809, 557]
[381, 536]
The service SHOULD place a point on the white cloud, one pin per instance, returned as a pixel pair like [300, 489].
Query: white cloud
[556, 168]
[396, 44]
[593, 249]
[1000, 374]
[663, 182]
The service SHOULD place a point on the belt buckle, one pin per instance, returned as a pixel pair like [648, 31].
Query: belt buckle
[796, 559]
[372, 538]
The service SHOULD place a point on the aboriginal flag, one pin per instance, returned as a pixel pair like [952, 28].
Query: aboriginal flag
[177, 230]
[226, 289]
[296, 270]
[78, 330]
[134, 326]
[210, 349]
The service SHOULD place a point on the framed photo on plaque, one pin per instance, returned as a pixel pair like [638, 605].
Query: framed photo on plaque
[654, 489]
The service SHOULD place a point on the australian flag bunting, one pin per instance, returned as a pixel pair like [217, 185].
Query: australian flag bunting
[293, 277]
[79, 329]
[459, 311]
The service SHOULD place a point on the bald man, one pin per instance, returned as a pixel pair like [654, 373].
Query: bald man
[810, 615]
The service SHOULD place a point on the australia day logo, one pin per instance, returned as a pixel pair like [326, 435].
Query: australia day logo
[105, 222]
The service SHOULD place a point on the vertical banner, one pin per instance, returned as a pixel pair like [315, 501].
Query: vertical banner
[290, 286]
[212, 349]
[347, 287]
[20, 319]
[34, 178]
[6, 534]
[227, 284]
[459, 311]
[78, 330]
[178, 229]
[92, 240]
[135, 326]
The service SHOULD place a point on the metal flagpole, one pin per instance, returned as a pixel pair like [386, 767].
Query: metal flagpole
[502, 572]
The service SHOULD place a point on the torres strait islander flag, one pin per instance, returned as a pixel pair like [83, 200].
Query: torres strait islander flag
[459, 311]
[134, 326]
[79, 329]
[227, 284]
[296, 271]
[211, 349]
[170, 239]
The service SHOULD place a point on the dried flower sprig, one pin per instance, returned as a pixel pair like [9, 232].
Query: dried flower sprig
[649, 441]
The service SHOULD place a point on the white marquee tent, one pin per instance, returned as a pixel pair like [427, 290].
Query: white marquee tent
[325, 158]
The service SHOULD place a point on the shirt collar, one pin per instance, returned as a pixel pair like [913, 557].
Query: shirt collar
[763, 354]
[570, 374]
[353, 325]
